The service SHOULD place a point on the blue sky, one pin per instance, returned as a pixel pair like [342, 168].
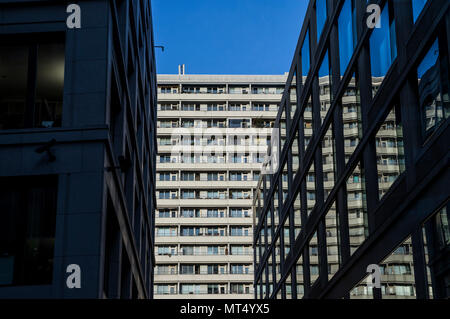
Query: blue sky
[227, 36]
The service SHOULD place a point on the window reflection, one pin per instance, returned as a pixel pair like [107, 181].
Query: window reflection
[389, 149]
[433, 84]
[321, 16]
[436, 245]
[328, 161]
[357, 209]
[347, 33]
[417, 6]
[332, 241]
[351, 117]
[383, 47]
[397, 273]
[305, 55]
[325, 85]
[313, 259]
[308, 123]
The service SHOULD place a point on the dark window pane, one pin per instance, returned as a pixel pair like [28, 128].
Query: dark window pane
[27, 229]
[31, 83]
[49, 86]
[13, 86]
[433, 81]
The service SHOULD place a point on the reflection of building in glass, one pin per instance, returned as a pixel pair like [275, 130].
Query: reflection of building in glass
[213, 132]
[77, 151]
[362, 165]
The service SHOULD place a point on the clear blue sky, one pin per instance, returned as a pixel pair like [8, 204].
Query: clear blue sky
[227, 36]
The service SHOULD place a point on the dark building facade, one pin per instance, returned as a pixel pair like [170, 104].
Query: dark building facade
[77, 150]
[363, 168]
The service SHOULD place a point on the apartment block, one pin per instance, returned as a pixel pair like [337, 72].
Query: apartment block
[77, 150]
[362, 180]
[213, 133]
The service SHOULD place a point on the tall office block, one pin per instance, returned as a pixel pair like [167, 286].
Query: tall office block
[213, 132]
[363, 174]
[77, 150]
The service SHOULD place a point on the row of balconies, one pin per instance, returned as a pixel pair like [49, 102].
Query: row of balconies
[169, 258]
[205, 239]
[234, 221]
[203, 295]
[224, 89]
[202, 272]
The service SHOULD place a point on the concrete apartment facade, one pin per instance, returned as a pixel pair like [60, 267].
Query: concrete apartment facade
[205, 183]
[77, 150]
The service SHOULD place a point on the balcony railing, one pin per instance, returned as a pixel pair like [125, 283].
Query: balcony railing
[225, 272]
[208, 215]
[249, 253]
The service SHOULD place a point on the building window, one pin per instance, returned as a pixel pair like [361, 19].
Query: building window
[383, 46]
[433, 81]
[305, 55]
[27, 229]
[443, 228]
[417, 6]
[321, 16]
[31, 83]
[347, 33]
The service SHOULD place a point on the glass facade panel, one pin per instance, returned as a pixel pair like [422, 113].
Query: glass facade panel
[321, 16]
[295, 155]
[310, 189]
[351, 117]
[313, 259]
[276, 205]
[332, 239]
[308, 123]
[293, 95]
[433, 79]
[299, 277]
[305, 55]
[417, 6]
[328, 161]
[288, 287]
[390, 153]
[383, 46]
[297, 215]
[347, 33]
[357, 209]
[286, 239]
[361, 290]
[397, 273]
[325, 86]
